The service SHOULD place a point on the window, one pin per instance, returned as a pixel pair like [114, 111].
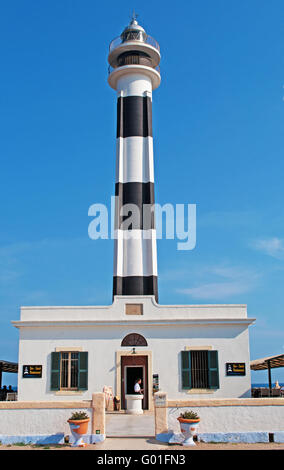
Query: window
[134, 57]
[69, 370]
[134, 339]
[199, 369]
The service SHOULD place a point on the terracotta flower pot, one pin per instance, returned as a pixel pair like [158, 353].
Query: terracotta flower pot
[78, 427]
[188, 428]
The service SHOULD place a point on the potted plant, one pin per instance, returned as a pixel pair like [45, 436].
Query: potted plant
[189, 421]
[78, 422]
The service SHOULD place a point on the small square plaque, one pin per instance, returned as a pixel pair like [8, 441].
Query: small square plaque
[160, 399]
[134, 309]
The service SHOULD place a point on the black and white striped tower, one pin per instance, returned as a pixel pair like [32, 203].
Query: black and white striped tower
[134, 72]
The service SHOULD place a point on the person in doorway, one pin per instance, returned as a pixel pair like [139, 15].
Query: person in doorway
[137, 388]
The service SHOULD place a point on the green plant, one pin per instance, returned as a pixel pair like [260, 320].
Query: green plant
[189, 415]
[77, 415]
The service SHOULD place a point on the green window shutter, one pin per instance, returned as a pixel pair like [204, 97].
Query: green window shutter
[185, 370]
[213, 369]
[83, 371]
[55, 371]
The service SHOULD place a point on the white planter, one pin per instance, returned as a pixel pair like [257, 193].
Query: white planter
[188, 429]
[134, 404]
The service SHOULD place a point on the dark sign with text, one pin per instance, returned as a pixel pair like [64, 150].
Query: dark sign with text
[32, 372]
[235, 368]
[155, 383]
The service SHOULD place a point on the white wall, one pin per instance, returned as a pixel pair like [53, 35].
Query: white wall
[166, 342]
[27, 422]
[115, 311]
[228, 419]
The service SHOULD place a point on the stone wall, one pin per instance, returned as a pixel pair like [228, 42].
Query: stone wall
[223, 420]
[46, 422]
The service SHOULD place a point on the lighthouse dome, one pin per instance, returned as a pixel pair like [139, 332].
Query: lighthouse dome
[133, 32]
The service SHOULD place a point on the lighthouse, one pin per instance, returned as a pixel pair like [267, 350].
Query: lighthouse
[184, 351]
[134, 73]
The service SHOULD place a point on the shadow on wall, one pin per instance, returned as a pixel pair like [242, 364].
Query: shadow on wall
[48, 376]
[173, 423]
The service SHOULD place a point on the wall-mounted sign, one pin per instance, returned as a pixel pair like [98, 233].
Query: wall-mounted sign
[32, 372]
[155, 383]
[235, 368]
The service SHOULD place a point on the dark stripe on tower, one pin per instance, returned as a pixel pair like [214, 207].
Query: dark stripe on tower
[136, 285]
[140, 194]
[134, 116]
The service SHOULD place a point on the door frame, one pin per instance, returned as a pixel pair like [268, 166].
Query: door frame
[136, 361]
[119, 355]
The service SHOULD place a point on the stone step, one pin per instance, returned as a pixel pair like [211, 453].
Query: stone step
[123, 425]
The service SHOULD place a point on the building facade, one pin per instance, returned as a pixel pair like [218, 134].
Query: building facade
[182, 349]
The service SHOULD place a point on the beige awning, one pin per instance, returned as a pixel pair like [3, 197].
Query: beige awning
[265, 362]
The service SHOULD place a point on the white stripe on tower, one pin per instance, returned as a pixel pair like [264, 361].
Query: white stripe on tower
[134, 159]
[135, 253]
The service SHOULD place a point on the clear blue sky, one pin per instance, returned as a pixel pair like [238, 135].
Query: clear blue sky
[218, 142]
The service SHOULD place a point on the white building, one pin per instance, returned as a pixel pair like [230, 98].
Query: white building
[187, 351]
[83, 349]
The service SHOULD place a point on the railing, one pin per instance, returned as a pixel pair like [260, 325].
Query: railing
[149, 40]
[111, 69]
[260, 392]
